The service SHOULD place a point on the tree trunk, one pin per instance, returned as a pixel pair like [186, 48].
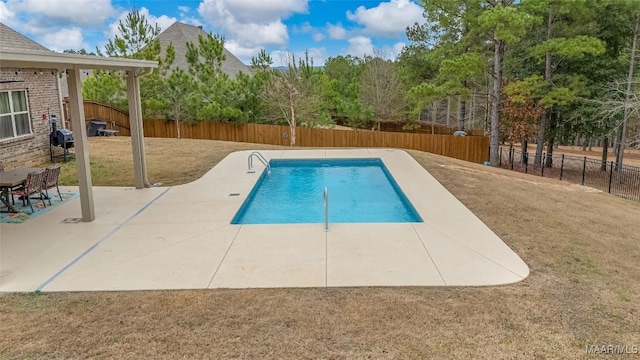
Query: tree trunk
[542, 128]
[605, 146]
[525, 148]
[292, 127]
[434, 112]
[448, 110]
[549, 160]
[178, 128]
[472, 110]
[463, 110]
[494, 149]
[627, 97]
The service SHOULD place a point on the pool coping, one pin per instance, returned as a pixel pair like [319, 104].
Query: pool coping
[183, 240]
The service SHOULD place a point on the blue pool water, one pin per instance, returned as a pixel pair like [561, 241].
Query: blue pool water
[360, 191]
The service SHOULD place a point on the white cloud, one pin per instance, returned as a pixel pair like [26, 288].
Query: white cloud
[388, 18]
[305, 27]
[241, 52]
[318, 55]
[184, 9]
[397, 49]
[281, 57]
[252, 23]
[64, 39]
[65, 12]
[360, 46]
[252, 35]
[191, 20]
[6, 14]
[252, 11]
[336, 31]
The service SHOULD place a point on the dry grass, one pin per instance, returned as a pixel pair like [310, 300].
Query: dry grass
[631, 156]
[581, 245]
[169, 161]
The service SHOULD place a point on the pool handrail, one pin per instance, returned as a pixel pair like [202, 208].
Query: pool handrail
[262, 160]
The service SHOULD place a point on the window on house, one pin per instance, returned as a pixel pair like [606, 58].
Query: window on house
[14, 114]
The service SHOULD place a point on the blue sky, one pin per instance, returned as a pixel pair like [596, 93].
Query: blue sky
[323, 27]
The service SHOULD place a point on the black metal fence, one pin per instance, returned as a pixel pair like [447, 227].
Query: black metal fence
[586, 171]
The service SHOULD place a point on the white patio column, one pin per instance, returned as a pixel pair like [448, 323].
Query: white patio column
[135, 121]
[76, 110]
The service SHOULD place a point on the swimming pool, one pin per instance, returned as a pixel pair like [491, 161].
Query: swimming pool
[360, 191]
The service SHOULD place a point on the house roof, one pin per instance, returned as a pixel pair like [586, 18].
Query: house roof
[179, 34]
[11, 39]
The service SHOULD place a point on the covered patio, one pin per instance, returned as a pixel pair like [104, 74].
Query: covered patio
[72, 64]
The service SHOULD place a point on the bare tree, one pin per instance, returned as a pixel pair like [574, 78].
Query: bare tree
[628, 94]
[290, 95]
[382, 90]
[622, 105]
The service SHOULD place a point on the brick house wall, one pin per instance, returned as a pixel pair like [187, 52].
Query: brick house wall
[43, 98]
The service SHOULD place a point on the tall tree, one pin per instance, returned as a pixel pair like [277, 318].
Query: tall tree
[628, 93]
[504, 24]
[344, 73]
[137, 40]
[179, 87]
[216, 95]
[291, 96]
[382, 90]
[565, 38]
[450, 40]
[136, 33]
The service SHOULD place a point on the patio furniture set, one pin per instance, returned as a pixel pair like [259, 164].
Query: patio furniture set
[26, 182]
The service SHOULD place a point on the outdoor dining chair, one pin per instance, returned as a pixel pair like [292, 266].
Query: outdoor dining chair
[50, 180]
[32, 185]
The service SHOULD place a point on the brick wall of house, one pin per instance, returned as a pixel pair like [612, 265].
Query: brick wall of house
[43, 98]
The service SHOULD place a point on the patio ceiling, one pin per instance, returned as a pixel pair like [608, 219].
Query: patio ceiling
[73, 63]
[52, 60]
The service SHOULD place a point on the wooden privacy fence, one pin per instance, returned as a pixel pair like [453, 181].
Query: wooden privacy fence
[116, 119]
[469, 148]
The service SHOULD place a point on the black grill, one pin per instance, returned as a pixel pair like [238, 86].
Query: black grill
[62, 138]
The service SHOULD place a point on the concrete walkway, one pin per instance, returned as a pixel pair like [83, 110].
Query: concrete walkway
[180, 238]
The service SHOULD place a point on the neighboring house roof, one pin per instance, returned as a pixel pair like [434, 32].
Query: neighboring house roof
[179, 34]
[11, 39]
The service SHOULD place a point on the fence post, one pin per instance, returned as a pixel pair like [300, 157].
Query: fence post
[584, 169]
[542, 167]
[610, 174]
[561, 166]
[526, 161]
[500, 158]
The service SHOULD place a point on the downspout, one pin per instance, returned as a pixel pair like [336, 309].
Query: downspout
[60, 99]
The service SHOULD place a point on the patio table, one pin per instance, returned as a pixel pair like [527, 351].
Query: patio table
[11, 179]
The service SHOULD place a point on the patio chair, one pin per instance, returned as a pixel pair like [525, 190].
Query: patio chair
[50, 180]
[32, 185]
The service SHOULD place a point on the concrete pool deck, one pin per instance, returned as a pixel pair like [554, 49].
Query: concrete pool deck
[180, 237]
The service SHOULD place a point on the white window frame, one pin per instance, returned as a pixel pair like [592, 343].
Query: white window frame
[13, 114]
